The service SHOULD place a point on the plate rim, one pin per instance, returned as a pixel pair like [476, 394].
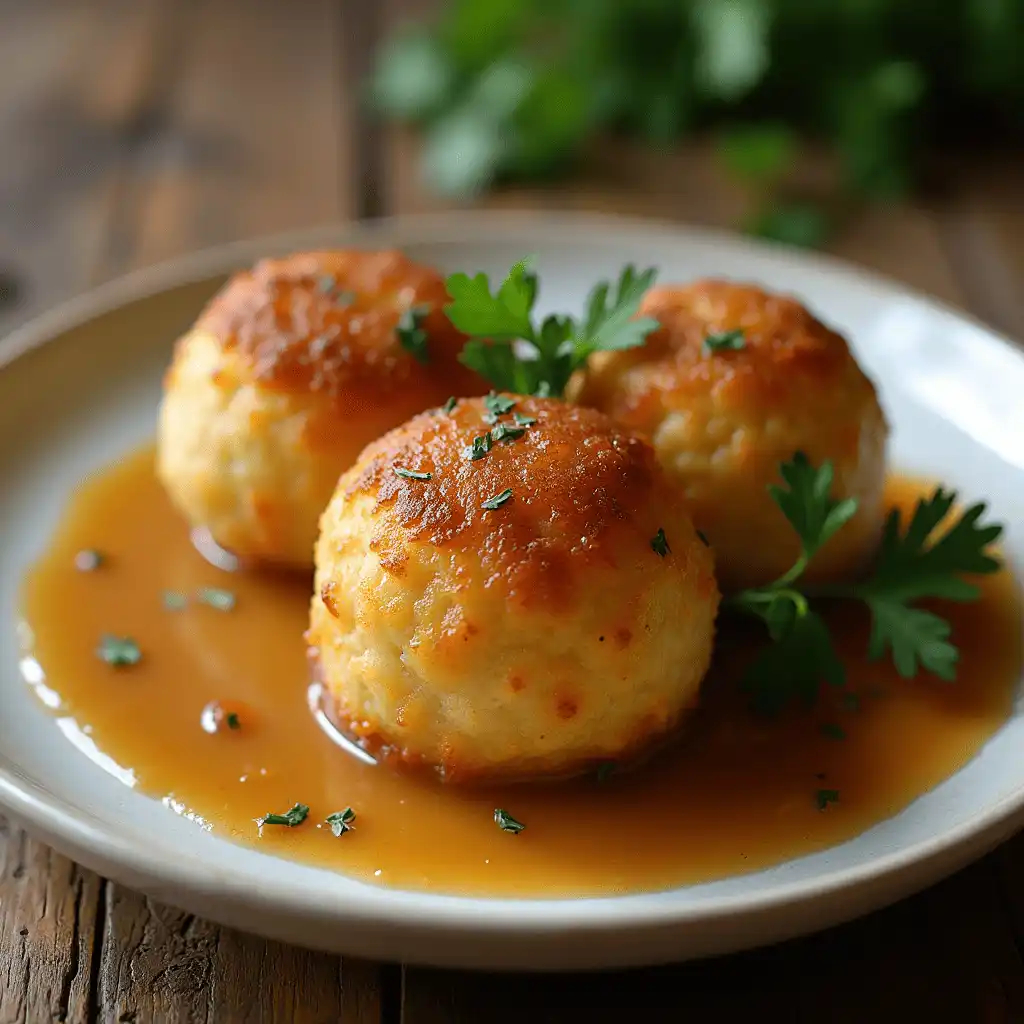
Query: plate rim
[457, 917]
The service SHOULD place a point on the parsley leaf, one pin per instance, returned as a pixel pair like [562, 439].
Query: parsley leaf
[341, 822]
[727, 340]
[918, 561]
[215, 597]
[506, 822]
[411, 474]
[119, 651]
[411, 335]
[295, 816]
[659, 543]
[481, 446]
[824, 797]
[491, 504]
[515, 353]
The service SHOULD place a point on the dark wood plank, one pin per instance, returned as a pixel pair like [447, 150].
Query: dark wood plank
[65, 71]
[251, 134]
[160, 964]
[48, 924]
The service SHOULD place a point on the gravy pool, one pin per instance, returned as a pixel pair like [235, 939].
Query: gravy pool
[735, 794]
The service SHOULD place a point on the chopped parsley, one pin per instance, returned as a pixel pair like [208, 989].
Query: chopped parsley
[449, 406]
[833, 731]
[605, 770]
[506, 822]
[499, 405]
[89, 560]
[824, 797]
[524, 421]
[725, 341]
[234, 722]
[659, 543]
[174, 601]
[222, 600]
[850, 702]
[327, 283]
[411, 335]
[412, 474]
[507, 434]
[345, 298]
[341, 821]
[703, 538]
[118, 650]
[480, 447]
[498, 500]
[296, 816]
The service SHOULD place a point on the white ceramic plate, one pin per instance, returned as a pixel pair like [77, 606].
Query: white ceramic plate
[80, 386]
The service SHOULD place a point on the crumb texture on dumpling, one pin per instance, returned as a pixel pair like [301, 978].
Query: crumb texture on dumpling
[491, 636]
[292, 368]
[722, 420]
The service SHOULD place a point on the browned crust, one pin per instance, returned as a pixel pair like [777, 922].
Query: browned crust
[585, 492]
[325, 322]
[788, 354]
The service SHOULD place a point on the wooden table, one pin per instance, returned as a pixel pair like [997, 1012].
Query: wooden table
[134, 130]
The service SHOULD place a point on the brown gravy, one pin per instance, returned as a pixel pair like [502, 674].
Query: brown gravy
[738, 793]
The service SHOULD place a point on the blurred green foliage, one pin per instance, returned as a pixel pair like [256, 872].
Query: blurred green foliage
[511, 89]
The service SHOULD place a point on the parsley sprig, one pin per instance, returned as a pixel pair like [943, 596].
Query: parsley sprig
[501, 324]
[925, 558]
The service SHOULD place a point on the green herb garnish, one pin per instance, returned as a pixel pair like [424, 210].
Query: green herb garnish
[341, 821]
[824, 797]
[412, 474]
[499, 405]
[234, 722]
[916, 561]
[558, 346]
[449, 405]
[726, 341]
[506, 822]
[702, 538]
[89, 560]
[296, 816]
[833, 731]
[507, 434]
[659, 543]
[174, 601]
[411, 335]
[119, 651]
[498, 500]
[480, 447]
[215, 597]
[605, 770]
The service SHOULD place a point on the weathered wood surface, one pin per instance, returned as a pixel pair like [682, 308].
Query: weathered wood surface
[134, 130]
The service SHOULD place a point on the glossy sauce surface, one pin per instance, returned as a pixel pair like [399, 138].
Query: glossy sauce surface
[735, 794]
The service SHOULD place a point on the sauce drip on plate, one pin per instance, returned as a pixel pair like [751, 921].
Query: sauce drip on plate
[213, 719]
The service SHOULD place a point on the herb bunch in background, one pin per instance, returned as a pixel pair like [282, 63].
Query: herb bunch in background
[512, 89]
